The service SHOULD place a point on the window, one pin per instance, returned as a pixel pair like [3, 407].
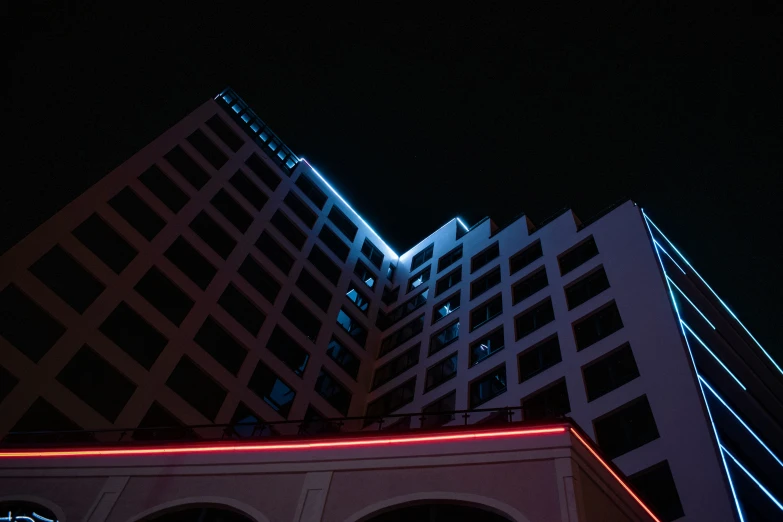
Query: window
[393, 400]
[301, 209]
[404, 334]
[404, 310]
[419, 279]
[529, 286]
[390, 295]
[137, 213]
[207, 149]
[125, 328]
[342, 223]
[450, 258]
[488, 345]
[488, 386]
[164, 189]
[302, 318]
[105, 242]
[218, 343]
[596, 326]
[551, 402]
[441, 372]
[390, 272]
[213, 234]
[314, 290]
[359, 299]
[287, 350]
[579, 254]
[310, 190]
[159, 424]
[7, 383]
[365, 275]
[97, 383]
[354, 328]
[67, 278]
[323, 264]
[259, 279]
[610, 372]
[164, 295]
[42, 416]
[344, 357]
[263, 171]
[334, 243]
[26, 325]
[397, 366]
[486, 312]
[422, 257]
[232, 210]
[241, 309]
[191, 262]
[290, 231]
[525, 256]
[197, 388]
[627, 428]
[439, 412]
[315, 423]
[254, 195]
[333, 391]
[444, 337]
[372, 253]
[447, 281]
[246, 423]
[657, 489]
[187, 167]
[534, 318]
[274, 252]
[586, 288]
[485, 282]
[445, 308]
[538, 358]
[276, 393]
[481, 259]
[223, 131]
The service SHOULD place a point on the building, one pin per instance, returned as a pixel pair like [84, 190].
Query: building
[216, 278]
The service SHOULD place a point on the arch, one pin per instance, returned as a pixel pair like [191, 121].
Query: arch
[48, 504]
[235, 505]
[490, 504]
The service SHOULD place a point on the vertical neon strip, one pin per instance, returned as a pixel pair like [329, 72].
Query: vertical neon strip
[691, 302]
[713, 355]
[749, 474]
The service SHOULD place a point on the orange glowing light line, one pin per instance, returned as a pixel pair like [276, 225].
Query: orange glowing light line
[611, 471]
[272, 447]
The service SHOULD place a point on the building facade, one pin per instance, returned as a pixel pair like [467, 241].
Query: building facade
[215, 277]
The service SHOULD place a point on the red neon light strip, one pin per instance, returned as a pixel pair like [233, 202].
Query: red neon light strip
[617, 477]
[222, 448]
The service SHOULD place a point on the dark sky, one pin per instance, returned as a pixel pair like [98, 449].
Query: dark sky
[420, 116]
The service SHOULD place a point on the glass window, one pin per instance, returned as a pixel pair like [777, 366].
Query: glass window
[274, 252]
[187, 167]
[390, 295]
[137, 213]
[164, 189]
[444, 337]
[231, 210]
[359, 299]
[419, 279]
[26, 325]
[314, 290]
[191, 262]
[309, 188]
[404, 310]
[287, 350]
[334, 243]
[197, 388]
[213, 234]
[586, 288]
[439, 412]
[276, 393]
[128, 330]
[246, 423]
[365, 275]
[485, 282]
[627, 428]
[304, 320]
[7, 383]
[534, 318]
[441, 372]
[597, 326]
[525, 256]
[393, 400]
[103, 241]
[354, 328]
[450, 258]
[218, 343]
[42, 416]
[488, 386]
[263, 172]
[447, 281]
[404, 334]
[549, 403]
[164, 295]
[333, 391]
[578, 255]
[446, 307]
[422, 257]
[344, 357]
[488, 345]
[657, 488]
[610, 372]
[529, 286]
[259, 279]
[242, 309]
[290, 231]
[223, 131]
[481, 259]
[323, 264]
[343, 223]
[538, 358]
[397, 366]
[211, 152]
[249, 190]
[67, 278]
[372, 253]
[486, 312]
[301, 209]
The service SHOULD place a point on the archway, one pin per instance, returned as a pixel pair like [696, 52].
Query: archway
[440, 511]
[26, 511]
[198, 513]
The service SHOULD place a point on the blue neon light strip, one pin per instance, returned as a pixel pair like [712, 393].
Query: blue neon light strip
[749, 474]
[713, 354]
[658, 245]
[713, 293]
[725, 405]
[691, 302]
[463, 224]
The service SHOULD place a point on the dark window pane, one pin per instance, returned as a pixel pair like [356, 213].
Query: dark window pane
[441, 372]
[404, 310]
[134, 335]
[419, 279]
[657, 489]
[287, 350]
[393, 400]
[626, 428]
[334, 243]
[105, 242]
[232, 210]
[206, 148]
[311, 190]
[185, 165]
[323, 264]
[218, 343]
[213, 235]
[7, 383]
[26, 325]
[422, 257]
[274, 252]
[486, 312]
[97, 383]
[164, 189]
[550, 403]
[67, 278]
[372, 253]
[610, 372]
[223, 131]
[315, 422]
[439, 413]
[450, 258]
[485, 282]
[488, 386]
[301, 209]
[302, 318]
[314, 290]
[344, 357]
[534, 318]
[529, 286]
[577, 255]
[355, 295]
[263, 171]
[488, 345]
[404, 334]
[191, 262]
[276, 393]
[397, 366]
[538, 358]
[159, 424]
[246, 423]
[444, 337]
[586, 288]
[352, 327]
[333, 391]
[446, 307]
[290, 231]
[259, 279]
[242, 309]
[597, 326]
[343, 223]
[365, 275]
[525, 256]
[140, 216]
[449, 280]
[164, 295]
[42, 416]
[484, 257]
[254, 195]
[199, 390]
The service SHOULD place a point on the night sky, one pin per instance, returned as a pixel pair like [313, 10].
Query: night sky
[417, 117]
